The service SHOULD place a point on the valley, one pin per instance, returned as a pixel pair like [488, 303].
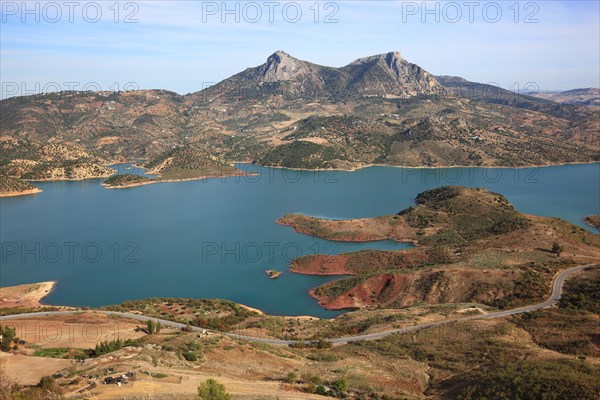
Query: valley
[469, 270]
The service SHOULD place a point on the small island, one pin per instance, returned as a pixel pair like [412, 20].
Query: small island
[271, 273]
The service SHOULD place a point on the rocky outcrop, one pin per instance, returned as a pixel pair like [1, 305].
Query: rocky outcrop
[280, 66]
[390, 75]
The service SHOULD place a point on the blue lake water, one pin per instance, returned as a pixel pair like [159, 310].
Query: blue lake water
[215, 238]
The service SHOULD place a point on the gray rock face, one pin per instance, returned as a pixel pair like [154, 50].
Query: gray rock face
[380, 75]
[389, 74]
[280, 66]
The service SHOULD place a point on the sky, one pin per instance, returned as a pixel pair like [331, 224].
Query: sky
[185, 46]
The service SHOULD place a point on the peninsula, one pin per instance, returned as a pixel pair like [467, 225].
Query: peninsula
[472, 246]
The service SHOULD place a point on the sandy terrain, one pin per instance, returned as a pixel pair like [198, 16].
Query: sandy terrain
[27, 370]
[256, 310]
[23, 193]
[29, 295]
[189, 386]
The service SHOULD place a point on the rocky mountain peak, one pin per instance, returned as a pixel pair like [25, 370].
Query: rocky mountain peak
[280, 66]
[391, 61]
[385, 74]
[389, 58]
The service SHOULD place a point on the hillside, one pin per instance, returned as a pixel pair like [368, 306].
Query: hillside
[191, 161]
[531, 353]
[472, 246]
[376, 110]
[34, 160]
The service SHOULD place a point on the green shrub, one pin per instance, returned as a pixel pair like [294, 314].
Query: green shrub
[210, 389]
[8, 335]
[321, 390]
[340, 385]
[533, 380]
[291, 377]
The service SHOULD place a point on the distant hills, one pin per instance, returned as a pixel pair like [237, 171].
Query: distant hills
[589, 97]
[380, 109]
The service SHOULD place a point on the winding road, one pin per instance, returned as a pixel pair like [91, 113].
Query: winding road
[557, 287]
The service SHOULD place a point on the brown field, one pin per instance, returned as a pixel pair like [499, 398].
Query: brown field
[189, 384]
[77, 331]
[27, 370]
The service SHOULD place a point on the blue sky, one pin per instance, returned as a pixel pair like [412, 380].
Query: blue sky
[185, 45]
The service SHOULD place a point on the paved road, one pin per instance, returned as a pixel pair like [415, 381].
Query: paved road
[557, 287]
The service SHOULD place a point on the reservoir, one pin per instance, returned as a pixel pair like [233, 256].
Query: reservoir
[215, 238]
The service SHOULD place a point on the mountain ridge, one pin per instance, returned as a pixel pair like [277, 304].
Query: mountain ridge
[287, 112]
[377, 75]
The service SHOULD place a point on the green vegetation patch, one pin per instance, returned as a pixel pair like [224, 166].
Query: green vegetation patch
[564, 330]
[534, 379]
[465, 214]
[583, 292]
[157, 375]
[216, 314]
[303, 154]
[59, 352]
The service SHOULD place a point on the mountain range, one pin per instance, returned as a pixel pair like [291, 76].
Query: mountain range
[380, 109]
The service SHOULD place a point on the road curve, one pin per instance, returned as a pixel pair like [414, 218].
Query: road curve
[557, 287]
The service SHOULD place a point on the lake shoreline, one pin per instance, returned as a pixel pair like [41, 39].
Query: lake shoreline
[189, 215]
[345, 240]
[354, 169]
[154, 181]
[358, 168]
[26, 295]
[22, 193]
[34, 293]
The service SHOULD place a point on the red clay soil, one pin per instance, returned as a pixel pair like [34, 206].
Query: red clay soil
[359, 262]
[374, 290]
